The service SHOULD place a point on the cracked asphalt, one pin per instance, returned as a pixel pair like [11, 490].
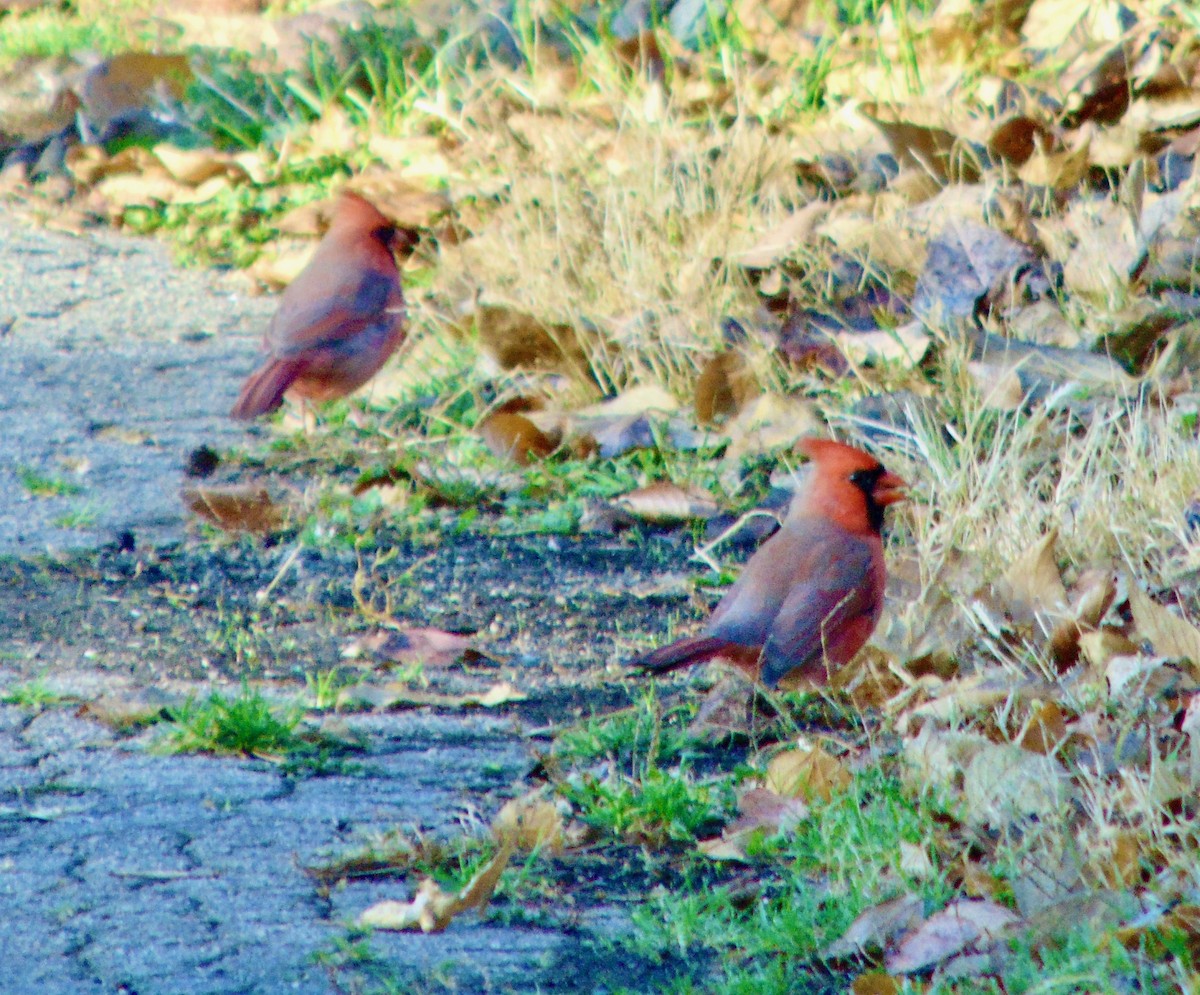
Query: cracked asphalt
[127, 871]
[123, 870]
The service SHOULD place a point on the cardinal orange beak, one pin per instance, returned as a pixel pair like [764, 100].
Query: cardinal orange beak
[889, 489]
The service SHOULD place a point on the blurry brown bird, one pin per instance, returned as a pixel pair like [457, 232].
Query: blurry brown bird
[812, 594]
[339, 320]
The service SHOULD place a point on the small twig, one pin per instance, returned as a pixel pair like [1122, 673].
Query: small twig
[283, 568]
[703, 554]
[162, 875]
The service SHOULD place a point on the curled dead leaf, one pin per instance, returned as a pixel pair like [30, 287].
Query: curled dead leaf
[665, 503]
[530, 821]
[724, 385]
[432, 909]
[236, 508]
[511, 435]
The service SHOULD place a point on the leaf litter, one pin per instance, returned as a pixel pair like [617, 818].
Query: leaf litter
[1013, 244]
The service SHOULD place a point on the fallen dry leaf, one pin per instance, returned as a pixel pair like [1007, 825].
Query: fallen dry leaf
[511, 435]
[432, 909]
[530, 821]
[236, 508]
[1004, 784]
[762, 808]
[877, 928]
[960, 925]
[806, 772]
[1169, 634]
[964, 263]
[665, 503]
[428, 646]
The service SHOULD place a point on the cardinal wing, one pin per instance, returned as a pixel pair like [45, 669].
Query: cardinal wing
[828, 606]
[331, 306]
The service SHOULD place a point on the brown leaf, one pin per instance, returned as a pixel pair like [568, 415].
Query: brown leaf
[513, 436]
[664, 503]
[1034, 575]
[877, 927]
[432, 909]
[530, 822]
[516, 339]
[905, 345]
[194, 166]
[724, 385]
[1169, 634]
[930, 149]
[762, 808]
[959, 926]
[1045, 729]
[129, 82]
[236, 508]
[1059, 169]
[431, 647]
[1016, 139]
[1094, 594]
[806, 772]
[728, 709]
[1098, 648]
[770, 421]
[1004, 784]
[779, 243]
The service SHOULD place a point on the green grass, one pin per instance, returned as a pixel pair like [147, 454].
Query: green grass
[246, 724]
[842, 859]
[40, 485]
[84, 516]
[659, 807]
[50, 32]
[647, 730]
[34, 695]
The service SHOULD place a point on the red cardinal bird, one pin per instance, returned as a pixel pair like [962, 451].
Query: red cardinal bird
[812, 594]
[339, 320]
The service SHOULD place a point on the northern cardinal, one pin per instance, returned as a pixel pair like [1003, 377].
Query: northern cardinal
[339, 320]
[811, 595]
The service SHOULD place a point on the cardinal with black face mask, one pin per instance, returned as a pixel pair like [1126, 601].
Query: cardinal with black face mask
[812, 594]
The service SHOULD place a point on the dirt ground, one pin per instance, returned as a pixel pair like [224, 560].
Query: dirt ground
[131, 871]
